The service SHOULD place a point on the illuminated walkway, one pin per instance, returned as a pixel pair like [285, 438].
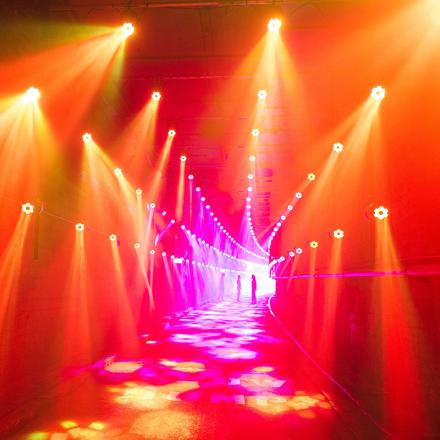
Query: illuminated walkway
[221, 372]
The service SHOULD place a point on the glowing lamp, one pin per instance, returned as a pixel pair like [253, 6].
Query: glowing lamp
[127, 29]
[311, 177]
[87, 137]
[283, 217]
[252, 158]
[138, 192]
[198, 189]
[137, 245]
[118, 172]
[299, 251]
[203, 198]
[250, 176]
[249, 188]
[31, 95]
[262, 94]
[378, 93]
[182, 158]
[152, 252]
[171, 133]
[112, 237]
[190, 177]
[152, 205]
[79, 227]
[172, 221]
[290, 207]
[338, 147]
[155, 96]
[380, 213]
[338, 233]
[274, 25]
[27, 208]
[298, 195]
[164, 213]
[314, 244]
[291, 254]
[255, 132]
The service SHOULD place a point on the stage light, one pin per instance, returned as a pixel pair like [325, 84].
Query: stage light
[203, 198]
[171, 133]
[190, 177]
[338, 147]
[137, 245]
[139, 192]
[380, 213]
[127, 29]
[338, 233]
[252, 158]
[314, 244]
[182, 158]
[112, 237]
[152, 205]
[164, 213]
[198, 189]
[250, 188]
[87, 137]
[250, 176]
[155, 96]
[255, 132]
[262, 94]
[298, 195]
[164, 254]
[152, 252]
[299, 251]
[31, 95]
[79, 227]
[378, 93]
[290, 207]
[311, 177]
[283, 217]
[248, 199]
[118, 172]
[274, 25]
[172, 221]
[291, 254]
[27, 208]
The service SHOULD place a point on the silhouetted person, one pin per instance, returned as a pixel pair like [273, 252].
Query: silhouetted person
[238, 288]
[221, 287]
[254, 289]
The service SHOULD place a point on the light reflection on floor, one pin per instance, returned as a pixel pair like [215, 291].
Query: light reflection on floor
[211, 361]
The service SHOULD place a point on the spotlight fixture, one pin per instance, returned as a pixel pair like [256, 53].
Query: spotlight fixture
[152, 205]
[338, 147]
[380, 213]
[190, 177]
[255, 132]
[27, 208]
[31, 95]
[127, 29]
[311, 177]
[298, 195]
[171, 133]
[164, 254]
[314, 244]
[152, 252]
[137, 245]
[79, 227]
[291, 254]
[274, 25]
[252, 158]
[155, 96]
[118, 172]
[262, 94]
[112, 237]
[290, 207]
[197, 188]
[378, 93]
[299, 251]
[338, 233]
[250, 176]
[182, 158]
[138, 192]
[87, 138]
